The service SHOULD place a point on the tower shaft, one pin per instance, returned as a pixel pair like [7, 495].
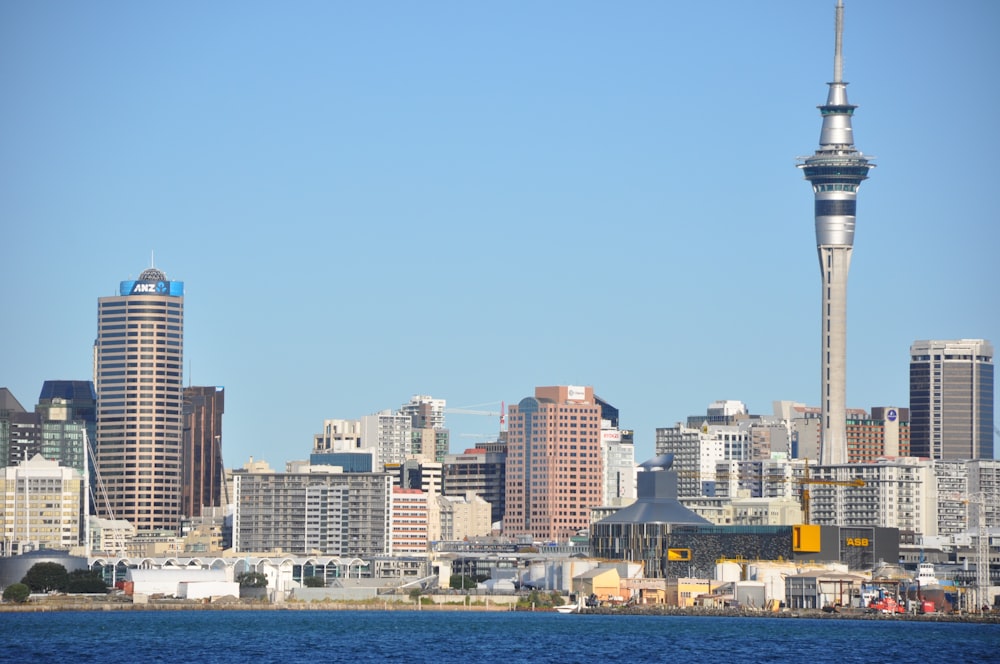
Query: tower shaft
[835, 170]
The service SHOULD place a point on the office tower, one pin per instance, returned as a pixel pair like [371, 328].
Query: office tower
[20, 431]
[951, 399]
[835, 171]
[409, 515]
[480, 472]
[68, 410]
[138, 361]
[885, 433]
[201, 456]
[554, 469]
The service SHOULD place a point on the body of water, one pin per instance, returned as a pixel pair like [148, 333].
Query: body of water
[260, 637]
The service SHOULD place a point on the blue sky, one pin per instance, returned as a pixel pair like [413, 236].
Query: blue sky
[372, 200]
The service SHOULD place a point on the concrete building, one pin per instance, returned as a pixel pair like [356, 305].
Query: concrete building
[314, 509]
[618, 455]
[388, 436]
[697, 452]
[886, 433]
[554, 466]
[201, 455]
[480, 472]
[138, 361]
[463, 517]
[835, 171]
[897, 493]
[409, 517]
[951, 399]
[41, 506]
[338, 436]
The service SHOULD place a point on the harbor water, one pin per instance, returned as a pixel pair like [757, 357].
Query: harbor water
[260, 637]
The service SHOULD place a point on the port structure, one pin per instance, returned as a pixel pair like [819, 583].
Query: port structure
[835, 171]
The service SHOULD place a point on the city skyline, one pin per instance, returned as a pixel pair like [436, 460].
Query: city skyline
[302, 172]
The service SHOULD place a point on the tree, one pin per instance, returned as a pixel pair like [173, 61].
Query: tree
[85, 581]
[44, 577]
[16, 592]
[252, 580]
[314, 582]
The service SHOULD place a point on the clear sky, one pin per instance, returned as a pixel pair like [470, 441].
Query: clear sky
[371, 200]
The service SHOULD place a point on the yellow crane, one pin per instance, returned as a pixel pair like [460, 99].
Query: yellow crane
[805, 480]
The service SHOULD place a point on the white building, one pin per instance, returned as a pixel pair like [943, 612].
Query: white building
[41, 506]
[388, 436]
[618, 452]
[409, 522]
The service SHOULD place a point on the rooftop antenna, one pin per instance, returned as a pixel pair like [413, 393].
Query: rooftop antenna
[152, 263]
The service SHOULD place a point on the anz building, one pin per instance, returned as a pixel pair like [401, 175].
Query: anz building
[138, 356]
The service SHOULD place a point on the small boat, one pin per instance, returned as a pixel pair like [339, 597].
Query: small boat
[568, 608]
[931, 593]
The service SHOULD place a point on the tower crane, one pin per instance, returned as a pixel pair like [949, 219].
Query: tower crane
[805, 480]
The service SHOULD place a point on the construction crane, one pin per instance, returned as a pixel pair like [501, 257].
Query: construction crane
[806, 480]
[471, 410]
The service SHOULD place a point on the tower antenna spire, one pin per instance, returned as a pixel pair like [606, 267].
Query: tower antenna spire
[838, 55]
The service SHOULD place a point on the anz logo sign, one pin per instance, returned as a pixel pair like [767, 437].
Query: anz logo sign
[150, 288]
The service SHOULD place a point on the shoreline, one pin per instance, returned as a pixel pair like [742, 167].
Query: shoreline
[62, 605]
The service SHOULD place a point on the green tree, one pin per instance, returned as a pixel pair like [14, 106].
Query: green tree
[461, 582]
[16, 592]
[252, 580]
[85, 581]
[314, 582]
[43, 577]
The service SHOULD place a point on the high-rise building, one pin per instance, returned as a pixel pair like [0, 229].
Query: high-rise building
[388, 436]
[951, 399]
[201, 458]
[20, 431]
[885, 433]
[835, 171]
[138, 358]
[480, 472]
[554, 467]
[68, 410]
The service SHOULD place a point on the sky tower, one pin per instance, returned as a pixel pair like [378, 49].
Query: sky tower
[835, 170]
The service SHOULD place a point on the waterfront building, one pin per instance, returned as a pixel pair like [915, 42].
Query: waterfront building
[835, 171]
[554, 467]
[480, 472]
[951, 399]
[67, 411]
[313, 508]
[138, 360]
[201, 455]
[671, 541]
[897, 493]
[41, 506]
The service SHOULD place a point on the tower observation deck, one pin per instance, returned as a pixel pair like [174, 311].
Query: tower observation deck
[835, 171]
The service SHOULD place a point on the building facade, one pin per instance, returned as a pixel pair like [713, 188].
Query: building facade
[41, 506]
[480, 472]
[68, 413]
[202, 484]
[139, 357]
[554, 467]
[951, 399]
[835, 171]
[338, 514]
